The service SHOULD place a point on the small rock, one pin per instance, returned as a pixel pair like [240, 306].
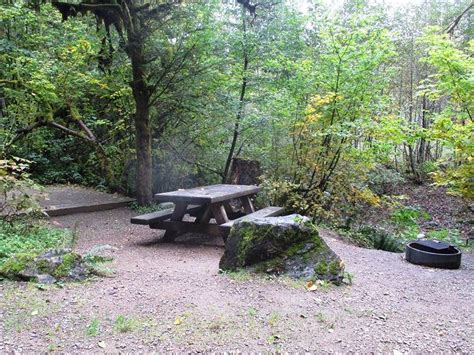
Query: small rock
[45, 279]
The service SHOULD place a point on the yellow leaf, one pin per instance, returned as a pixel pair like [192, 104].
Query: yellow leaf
[310, 286]
[178, 320]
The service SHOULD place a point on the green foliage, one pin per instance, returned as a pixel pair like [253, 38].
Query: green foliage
[451, 236]
[407, 217]
[453, 126]
[10, 267]
[93, 329]
[341, 104]
[383, 180]
[146, 209]
[16, 189]
[97, 262]
[123, 324]
[52, 86]
[374, 238]
[21, 238]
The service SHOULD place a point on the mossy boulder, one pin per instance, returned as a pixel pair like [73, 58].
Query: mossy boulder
[15, 265]
[288, 245]
[49, 267]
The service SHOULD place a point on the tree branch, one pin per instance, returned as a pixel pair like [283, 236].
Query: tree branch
[450, 29]
[186, 160]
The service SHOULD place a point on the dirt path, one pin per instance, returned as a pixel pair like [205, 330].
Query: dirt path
[171, 297]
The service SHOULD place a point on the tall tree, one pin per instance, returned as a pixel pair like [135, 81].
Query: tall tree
[135, 22]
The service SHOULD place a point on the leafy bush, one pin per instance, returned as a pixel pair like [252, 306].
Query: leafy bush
[15, 189]
[148, 209]
[374, 238]
[383, 180]
[407, 217]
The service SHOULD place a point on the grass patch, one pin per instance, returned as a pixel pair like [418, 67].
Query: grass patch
[93, 329]
[123, 324]
[451, 236]
[24, 307]
[238, 275]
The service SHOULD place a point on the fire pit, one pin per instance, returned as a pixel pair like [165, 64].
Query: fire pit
[433, 253]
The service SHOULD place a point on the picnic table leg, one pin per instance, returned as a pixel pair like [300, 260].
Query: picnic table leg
[178, 214]
[219, 213]
[228, 209]
[204, 216]
[247, 204]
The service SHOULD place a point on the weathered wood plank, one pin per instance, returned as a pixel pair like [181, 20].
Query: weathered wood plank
[219, 213]
[179, 211]
[204, 215]
[207, 194]
[146, 219]
[175, 228]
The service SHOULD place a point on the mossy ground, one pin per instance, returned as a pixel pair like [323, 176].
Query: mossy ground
[68, 262]
[13, 266]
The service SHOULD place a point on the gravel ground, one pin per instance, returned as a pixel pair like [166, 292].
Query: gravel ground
[170, 297]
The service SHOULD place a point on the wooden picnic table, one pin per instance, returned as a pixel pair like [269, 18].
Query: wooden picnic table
[204, 203]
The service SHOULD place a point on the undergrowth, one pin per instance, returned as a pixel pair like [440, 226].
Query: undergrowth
[23, 237]
[393, 234]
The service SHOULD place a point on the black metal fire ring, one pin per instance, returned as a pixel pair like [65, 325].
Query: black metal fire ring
[434, 254]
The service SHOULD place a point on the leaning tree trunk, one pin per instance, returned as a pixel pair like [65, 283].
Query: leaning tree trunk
[240, 112]
[141, 95]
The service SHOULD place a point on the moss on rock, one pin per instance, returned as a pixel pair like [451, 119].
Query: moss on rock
[68, 263]
[61, 265]
[281, 245]
[13, 267]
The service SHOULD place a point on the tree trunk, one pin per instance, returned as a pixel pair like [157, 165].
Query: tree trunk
[141, 94]
[240, 111]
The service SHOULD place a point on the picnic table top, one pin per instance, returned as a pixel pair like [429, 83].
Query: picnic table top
[207, 194]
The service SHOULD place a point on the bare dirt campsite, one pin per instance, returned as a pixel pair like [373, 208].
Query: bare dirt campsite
[172, 297]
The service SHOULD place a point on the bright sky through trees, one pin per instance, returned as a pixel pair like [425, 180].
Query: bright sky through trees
[303, 4]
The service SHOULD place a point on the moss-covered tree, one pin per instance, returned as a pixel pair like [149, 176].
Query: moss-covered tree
[135, 22]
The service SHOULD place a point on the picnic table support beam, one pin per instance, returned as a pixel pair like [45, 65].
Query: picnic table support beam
[204, 216]
[219, 213]
[228, 209]
[180, 209]
[247, 204]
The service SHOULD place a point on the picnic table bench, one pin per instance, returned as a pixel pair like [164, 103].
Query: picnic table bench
[204, 203]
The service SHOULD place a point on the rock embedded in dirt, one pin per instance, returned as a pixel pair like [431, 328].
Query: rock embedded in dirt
[288, 245]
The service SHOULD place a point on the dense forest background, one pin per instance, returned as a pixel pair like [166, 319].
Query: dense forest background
[338, 104]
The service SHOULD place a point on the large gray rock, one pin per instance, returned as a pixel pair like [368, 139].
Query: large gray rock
[281, 245]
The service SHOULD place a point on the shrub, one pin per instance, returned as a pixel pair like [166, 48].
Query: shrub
[383, 180]
[15, 189]
[374, 238]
